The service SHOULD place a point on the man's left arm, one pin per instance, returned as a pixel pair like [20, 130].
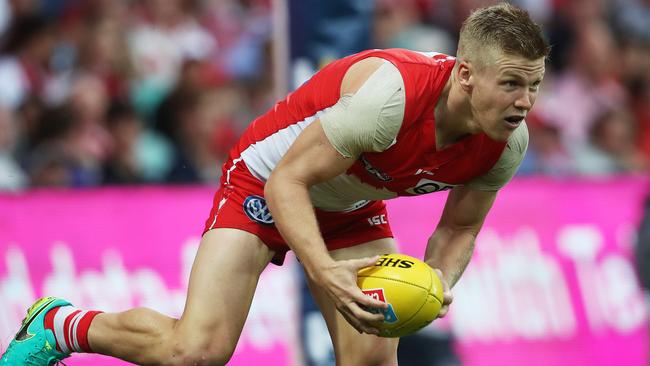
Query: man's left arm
[451, 245]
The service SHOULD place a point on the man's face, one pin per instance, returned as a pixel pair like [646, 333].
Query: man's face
[503, 92]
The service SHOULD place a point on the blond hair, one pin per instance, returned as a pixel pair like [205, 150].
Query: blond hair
[504, 28]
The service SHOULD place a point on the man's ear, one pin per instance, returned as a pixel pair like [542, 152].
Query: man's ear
[465, 75]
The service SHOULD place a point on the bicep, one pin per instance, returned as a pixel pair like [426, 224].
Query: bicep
[466, 209]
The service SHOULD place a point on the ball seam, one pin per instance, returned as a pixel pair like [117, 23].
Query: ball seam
[396, 280]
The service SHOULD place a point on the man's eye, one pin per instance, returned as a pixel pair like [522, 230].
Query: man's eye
[511, 84]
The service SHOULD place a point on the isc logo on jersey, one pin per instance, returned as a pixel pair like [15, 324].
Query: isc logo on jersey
[377, 220]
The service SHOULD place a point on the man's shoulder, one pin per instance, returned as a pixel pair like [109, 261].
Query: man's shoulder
[518, 141]
[507, 164]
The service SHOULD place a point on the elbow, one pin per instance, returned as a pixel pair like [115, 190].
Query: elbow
[283, 186]
[270, 188]
[277, 183]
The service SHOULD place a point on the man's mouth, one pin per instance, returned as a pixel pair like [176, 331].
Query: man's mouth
[514, 120]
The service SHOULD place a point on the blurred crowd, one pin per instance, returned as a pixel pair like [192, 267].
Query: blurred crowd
[125, 92]
[99, 92]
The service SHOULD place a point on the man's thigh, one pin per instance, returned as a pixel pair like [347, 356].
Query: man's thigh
[222, 283]
[350, 347]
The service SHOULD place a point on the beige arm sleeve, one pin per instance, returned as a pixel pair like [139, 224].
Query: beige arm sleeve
[370, 119]
[507, 165]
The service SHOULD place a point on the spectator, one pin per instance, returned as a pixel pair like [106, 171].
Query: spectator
[125, 128]
[398, 24]
[631, 18]
[12, 177]
[166, 36]
[636, 66]
[89, 102]
[203, 128]
[588, 87]
[25, 55]
[612, 148]
[51, 160]
[104, 53]
[241, 29]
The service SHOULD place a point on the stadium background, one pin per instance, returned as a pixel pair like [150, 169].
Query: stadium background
[115, 114]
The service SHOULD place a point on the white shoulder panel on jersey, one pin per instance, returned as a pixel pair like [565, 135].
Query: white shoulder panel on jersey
[507, 165]
[370, 119]
[262, 156]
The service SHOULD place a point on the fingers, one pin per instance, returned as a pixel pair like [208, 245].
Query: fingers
[363, 262]
[359, 309]
[368, 301]
[447, 296]
[364, 315]
[439, 273]
[361, 319]
[358, 296]
[358, 325]
[443, 311]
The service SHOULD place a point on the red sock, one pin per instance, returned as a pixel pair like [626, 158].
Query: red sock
[70, 327]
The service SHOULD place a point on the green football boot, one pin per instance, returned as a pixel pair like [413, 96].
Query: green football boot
[34, 345]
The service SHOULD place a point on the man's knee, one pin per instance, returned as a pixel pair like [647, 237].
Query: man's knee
[383, 358]
[204, 350]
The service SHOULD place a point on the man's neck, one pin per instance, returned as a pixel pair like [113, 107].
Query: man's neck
[453, 115]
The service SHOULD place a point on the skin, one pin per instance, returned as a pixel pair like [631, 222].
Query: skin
[229, 262]
[480, 95]
[477, 98]
[222, 283]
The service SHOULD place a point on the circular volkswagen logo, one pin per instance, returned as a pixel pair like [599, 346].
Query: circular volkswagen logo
[256, 209]
[425, 186]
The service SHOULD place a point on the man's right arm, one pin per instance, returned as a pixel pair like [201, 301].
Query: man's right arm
[310, 160]
[366, 118]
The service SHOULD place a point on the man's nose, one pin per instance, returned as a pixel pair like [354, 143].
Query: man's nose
[525, 101]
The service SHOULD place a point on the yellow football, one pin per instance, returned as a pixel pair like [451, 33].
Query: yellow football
[411, 289]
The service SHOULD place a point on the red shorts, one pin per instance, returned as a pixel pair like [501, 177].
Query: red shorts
[240, 205]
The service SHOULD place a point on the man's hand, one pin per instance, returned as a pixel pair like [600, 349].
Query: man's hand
[446, 294]
[339, 282]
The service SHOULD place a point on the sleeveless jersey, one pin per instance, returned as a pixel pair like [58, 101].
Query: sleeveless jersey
[410, 166]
